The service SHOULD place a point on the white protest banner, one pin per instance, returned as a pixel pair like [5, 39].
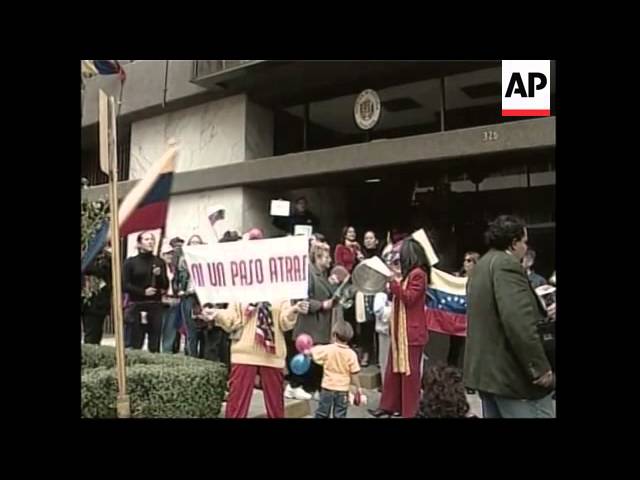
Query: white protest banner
[250, 270]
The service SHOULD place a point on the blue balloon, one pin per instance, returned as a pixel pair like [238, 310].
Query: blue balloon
[300, 364]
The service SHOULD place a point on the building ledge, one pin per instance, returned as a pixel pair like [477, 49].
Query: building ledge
[512, 136]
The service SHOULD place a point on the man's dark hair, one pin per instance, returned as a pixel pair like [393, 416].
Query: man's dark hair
[301, 198]
[444, 395]
[175, 241]
[319, 237]
[412, 255]
[230, 236]
[503, 231]
[142, 234]
[343, 331]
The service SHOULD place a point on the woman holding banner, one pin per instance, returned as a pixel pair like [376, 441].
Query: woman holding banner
[316, 323]
[257, 348]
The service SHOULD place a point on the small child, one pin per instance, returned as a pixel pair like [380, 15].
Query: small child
[341, 368]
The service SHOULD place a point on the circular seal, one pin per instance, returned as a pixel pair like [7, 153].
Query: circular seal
[367, 110]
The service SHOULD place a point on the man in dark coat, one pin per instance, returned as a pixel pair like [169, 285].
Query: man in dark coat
[96, 308]
[300, 216]
[504, 357]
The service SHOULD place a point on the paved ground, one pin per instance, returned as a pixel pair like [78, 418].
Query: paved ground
[306, 409]
[373, 400]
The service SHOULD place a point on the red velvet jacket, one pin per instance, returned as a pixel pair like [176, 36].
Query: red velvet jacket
[345, 256]
[413, 298]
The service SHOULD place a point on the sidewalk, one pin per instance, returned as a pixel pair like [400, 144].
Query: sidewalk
[307, 408]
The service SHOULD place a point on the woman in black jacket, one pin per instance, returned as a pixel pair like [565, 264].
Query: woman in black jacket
[144, 279]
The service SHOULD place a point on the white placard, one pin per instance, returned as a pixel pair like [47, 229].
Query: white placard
[303, 230]
[280, 208]
[250, 270]
[421, 237]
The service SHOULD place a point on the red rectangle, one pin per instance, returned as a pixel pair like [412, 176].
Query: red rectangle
[526, 113]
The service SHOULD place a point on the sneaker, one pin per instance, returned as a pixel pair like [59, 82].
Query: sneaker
[300, 394]
[288, 392]
[296, 393]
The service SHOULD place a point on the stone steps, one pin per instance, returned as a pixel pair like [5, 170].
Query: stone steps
[370, 377]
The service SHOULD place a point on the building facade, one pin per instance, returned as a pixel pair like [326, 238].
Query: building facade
[440, 156]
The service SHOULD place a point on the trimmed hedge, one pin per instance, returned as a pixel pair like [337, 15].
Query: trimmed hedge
[159, 385]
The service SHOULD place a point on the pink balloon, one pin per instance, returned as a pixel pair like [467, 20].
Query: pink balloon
[303, 342]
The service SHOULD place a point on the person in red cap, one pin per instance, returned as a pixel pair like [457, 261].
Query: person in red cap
[255, 234]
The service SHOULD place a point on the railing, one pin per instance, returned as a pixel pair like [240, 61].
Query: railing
[203, 68]
[90, 165]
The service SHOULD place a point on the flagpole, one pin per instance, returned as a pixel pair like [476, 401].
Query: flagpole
[108, 156]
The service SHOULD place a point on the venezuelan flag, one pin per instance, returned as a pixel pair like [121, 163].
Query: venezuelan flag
[447, 304]
[144, 208]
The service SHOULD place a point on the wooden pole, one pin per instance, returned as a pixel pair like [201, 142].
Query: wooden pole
[108, 144]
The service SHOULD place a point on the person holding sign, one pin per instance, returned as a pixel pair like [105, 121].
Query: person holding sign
[408, 329]
[257, 348]
[316, 323]
[301, 216]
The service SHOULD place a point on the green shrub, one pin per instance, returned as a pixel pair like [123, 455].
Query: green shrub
[159, 385]
[94, 356]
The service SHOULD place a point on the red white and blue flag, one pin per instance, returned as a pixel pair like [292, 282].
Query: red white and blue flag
[447, 304]
[144, 208]
[446, 300]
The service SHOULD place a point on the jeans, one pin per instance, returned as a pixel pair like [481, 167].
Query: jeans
[169, 327]
[338, 401]
[494, 406]
[191, 345]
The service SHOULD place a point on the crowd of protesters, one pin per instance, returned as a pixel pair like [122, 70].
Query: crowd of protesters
[501, 357]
